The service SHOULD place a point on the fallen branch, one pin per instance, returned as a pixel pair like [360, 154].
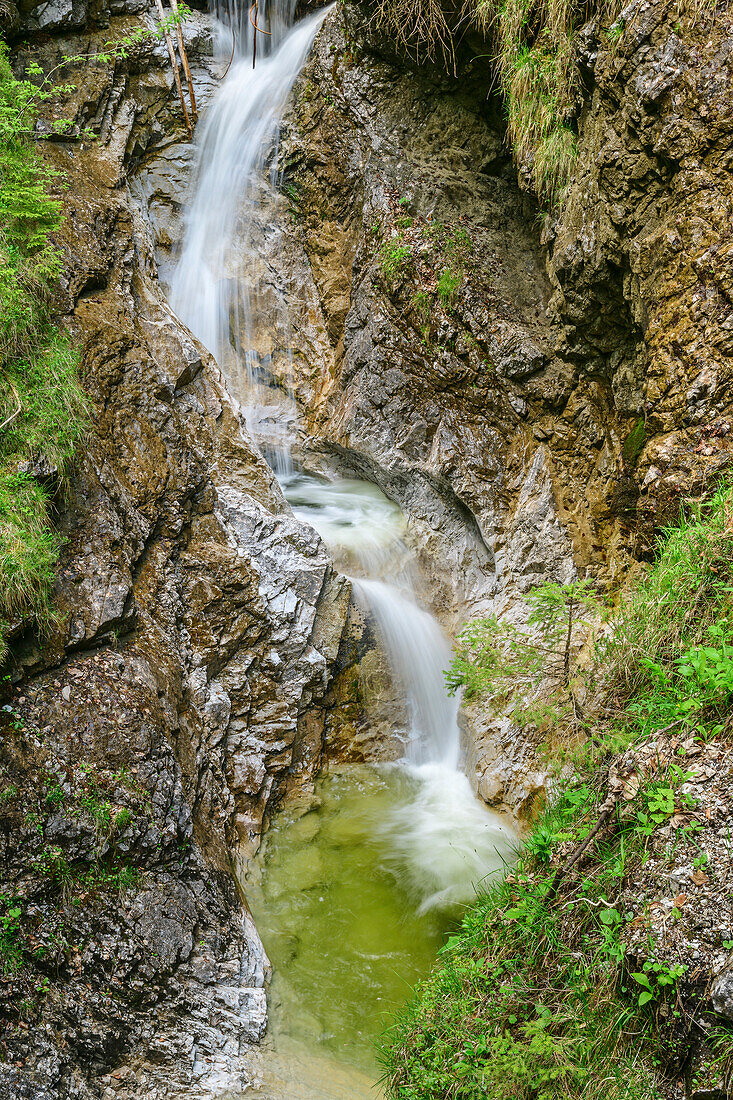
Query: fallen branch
[174, 64]
[231, 56]
[184, 59]
[615, 790]
[17, 412]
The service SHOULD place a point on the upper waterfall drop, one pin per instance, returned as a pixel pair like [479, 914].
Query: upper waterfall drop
[211, 292]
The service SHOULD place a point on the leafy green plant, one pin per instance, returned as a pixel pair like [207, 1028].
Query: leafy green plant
[659, 804]
[395, 258]
[656, 979]
[11, 954]
[492, 657]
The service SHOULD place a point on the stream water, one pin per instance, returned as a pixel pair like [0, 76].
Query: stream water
[353, 892]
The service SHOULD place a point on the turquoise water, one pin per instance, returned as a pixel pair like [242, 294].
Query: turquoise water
[353, 896]
[343, 936]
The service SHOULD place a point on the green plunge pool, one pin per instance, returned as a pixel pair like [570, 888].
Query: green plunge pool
[335, 896]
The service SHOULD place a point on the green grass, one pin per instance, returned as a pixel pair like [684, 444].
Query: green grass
[43, 411]
[689, 589]
[533, 997]
[447, 287]
[526, 1003]
[395, 258]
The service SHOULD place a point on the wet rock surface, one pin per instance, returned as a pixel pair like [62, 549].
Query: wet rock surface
[537, 399]
[640, 256]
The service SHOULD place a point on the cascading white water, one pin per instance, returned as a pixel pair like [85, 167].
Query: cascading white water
[439, 842]
[211, 291]
[418, 654]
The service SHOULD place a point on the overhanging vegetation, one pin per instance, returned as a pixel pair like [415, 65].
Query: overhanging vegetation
[531, 43]
[42, 408]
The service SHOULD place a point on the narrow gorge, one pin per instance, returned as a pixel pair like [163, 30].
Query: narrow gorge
[365, 605]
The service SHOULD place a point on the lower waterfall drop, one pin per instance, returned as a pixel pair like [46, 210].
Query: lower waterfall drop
[442, 842]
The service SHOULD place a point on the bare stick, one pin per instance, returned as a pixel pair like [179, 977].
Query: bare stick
[257, 28]
[174, 64]
[184, 59]
[231, 56]
[615, 789]
[12, 416]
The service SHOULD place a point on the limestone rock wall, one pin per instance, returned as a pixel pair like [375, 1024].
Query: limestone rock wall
[538, 391]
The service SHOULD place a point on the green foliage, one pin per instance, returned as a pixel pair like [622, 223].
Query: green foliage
[524, 1004]
[42, 408]
[122, 820]
[672, 609]
[395, 258]
[448, 284]
[11, 954]
[535, 994]
[656, 979]
[493, 658]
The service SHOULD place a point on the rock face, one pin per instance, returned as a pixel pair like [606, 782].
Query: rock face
[182, 692]
[537, 401]
[641, 255]
[536, 397]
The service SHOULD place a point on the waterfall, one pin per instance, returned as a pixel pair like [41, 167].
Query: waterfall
[440, 841]
[218, 297]
[418, 653]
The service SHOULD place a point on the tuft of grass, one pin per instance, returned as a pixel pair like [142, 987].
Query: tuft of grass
[28, 547]
[553, 162]
[43, 411]
[395, 257]
[447, 288]
[417, 27]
